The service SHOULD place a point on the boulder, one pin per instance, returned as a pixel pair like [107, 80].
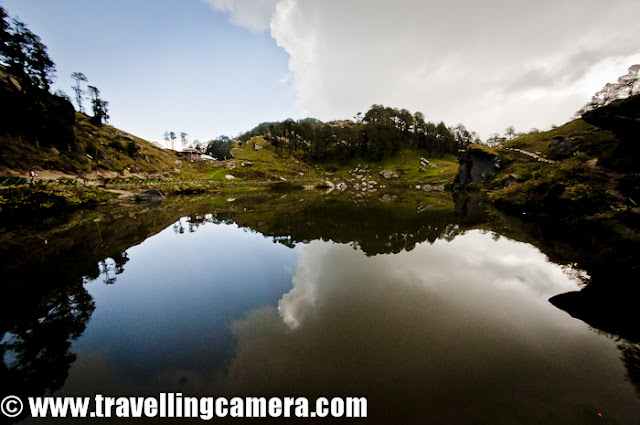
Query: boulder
[562, 147]
[126, 136]
[425, 163]
[388, 174]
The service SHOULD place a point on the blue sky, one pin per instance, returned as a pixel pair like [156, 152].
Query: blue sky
[165, 65]
[212, 67]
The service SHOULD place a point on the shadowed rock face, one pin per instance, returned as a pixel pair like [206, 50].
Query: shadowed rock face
[476, 166]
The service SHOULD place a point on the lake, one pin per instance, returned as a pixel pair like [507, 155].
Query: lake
[430, 314]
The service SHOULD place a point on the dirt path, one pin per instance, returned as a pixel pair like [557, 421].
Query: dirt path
[40, 174]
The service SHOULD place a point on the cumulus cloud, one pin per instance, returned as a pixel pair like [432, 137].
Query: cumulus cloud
[254, 15]
[488, 63]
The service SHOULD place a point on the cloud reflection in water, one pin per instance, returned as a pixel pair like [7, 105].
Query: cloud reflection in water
[454, 331]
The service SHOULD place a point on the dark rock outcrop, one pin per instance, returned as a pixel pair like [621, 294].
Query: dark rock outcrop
[477, 164]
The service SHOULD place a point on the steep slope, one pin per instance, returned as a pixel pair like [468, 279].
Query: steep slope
[42, 131]
[101, 149]
[586, 167]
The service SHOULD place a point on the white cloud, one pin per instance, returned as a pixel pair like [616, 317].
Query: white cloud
[254, 15]
[488, 64]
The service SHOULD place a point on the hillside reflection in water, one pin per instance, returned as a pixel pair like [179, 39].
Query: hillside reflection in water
[455, 329]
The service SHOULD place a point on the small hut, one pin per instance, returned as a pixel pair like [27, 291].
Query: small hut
[190, 154]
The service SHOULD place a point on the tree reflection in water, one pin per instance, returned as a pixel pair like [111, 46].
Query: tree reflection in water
[37, 337]
[36, 346]
[631, 359]
[112, 265]
[378, 229]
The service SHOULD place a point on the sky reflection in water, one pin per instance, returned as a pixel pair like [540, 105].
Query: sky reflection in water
[453, 332]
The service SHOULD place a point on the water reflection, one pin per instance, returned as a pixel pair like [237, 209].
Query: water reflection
[168, 316]
[433, 334]
[194, 221]
[378, 228]
[36, 343]
[111, 267]
[631, 359]
[397, 302]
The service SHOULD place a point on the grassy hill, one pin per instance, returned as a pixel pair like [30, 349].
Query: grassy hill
[261, 162]
[578, 169]
[573, 181]
[406, 164]
[103, 149]
[42, 131]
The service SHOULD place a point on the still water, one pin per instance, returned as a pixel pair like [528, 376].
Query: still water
[457, 329]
